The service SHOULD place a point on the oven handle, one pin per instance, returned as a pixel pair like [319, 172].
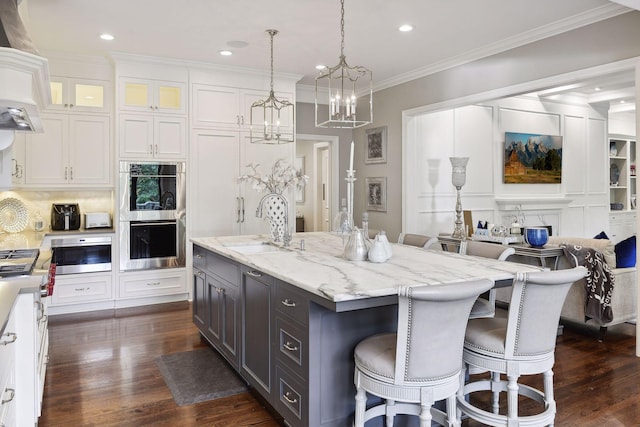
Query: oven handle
[90, 241]
[154, 223]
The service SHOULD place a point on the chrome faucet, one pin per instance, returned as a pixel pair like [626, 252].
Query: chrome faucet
[285, 202]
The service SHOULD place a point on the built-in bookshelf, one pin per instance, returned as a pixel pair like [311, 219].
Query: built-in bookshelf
[622, 173]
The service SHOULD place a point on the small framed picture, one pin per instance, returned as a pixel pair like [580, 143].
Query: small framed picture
[376, 146]
[376, 190]
[299, 165]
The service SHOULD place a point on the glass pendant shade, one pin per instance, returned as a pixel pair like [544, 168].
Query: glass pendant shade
[458, 170]
[272, 120]
[347, 91]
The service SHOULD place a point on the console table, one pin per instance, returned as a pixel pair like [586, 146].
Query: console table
[551, 252]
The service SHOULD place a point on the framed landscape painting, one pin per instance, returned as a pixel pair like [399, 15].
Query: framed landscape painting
[532, 158]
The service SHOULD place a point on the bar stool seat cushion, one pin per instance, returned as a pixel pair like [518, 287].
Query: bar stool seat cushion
[486, 335]
[376, 355]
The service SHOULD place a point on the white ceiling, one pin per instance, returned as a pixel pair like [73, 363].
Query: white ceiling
[446, 33]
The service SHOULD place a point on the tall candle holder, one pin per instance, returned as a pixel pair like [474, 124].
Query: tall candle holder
[351, 178]
[458, 179]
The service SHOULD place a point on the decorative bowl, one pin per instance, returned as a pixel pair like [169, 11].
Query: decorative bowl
[536, 237]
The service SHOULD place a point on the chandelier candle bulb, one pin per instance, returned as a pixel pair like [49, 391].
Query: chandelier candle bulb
[351, 157]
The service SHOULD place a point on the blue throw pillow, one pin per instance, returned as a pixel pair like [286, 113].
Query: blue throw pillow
[601, 235]
[626, 253]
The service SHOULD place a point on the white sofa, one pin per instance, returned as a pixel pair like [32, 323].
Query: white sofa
[623, 298]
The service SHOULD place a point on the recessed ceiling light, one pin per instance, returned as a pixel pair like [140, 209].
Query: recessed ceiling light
[597, 88]
[405, 28]
[320, 67]
[225, 52]
[622, 101]
[106, 36]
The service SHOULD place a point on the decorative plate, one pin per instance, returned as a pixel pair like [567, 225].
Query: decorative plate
[13, 215]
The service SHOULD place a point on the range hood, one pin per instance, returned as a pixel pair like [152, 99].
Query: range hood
[24, 75]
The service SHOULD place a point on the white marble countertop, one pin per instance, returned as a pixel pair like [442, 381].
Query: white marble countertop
[322, 270]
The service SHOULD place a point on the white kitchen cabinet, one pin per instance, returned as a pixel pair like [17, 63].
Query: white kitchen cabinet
[152, 96]
[74, 151]
[222, 205]
[225, 107]
[82, 288]
[82, 95]
[19, 370]
[152, 283]
[151, 136]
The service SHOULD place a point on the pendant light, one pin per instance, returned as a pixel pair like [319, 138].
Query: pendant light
[338, 88]
[271, 116]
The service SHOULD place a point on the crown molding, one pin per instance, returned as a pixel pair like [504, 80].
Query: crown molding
[564, 25]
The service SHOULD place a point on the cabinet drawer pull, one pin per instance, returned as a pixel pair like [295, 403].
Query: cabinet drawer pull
[12, 394]
[288, 398]
[290, 347]
[220, 290]
[12, 338]
[153, 283]
[288, 303]
[82, 289]
[254, 273]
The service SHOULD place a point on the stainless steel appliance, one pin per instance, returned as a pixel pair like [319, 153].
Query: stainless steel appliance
[17, 262]
[152, 215]
[65, 216]
[97, 220]
[81, 254]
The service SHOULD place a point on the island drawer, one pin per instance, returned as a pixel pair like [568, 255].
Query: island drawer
[292, 302]
[199, 257]
[292, 346]
[223, 268]
[291, 401]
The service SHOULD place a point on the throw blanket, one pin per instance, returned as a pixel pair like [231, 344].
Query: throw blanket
[599, 282]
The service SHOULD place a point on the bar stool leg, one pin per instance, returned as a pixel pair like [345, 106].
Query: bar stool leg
[361, 403]
[495, 388]
[512, 401]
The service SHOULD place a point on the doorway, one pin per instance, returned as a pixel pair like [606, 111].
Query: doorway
[318, 203]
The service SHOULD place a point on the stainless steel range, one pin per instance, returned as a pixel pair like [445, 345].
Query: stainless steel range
[16, 262]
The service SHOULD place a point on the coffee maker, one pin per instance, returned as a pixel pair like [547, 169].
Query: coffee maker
[65, 216]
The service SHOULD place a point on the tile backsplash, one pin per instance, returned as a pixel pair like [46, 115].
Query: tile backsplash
[38, 203]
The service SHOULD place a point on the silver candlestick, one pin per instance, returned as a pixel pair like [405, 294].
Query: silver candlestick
[351, 178]
[458, 179]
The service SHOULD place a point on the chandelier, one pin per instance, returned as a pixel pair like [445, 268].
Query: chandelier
[271, 116]
[338, 87]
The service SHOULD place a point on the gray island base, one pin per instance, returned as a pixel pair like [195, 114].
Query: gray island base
[288, 319]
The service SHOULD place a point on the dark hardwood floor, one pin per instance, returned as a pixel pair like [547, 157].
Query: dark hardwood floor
[102, 372]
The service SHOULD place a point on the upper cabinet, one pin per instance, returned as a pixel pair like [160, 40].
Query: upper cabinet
[152, 96]
[151, 109]
[81, 95]
[225, 107]
[73, 151]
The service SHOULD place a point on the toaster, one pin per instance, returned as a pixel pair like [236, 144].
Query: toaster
[65, 216]
[97, 220]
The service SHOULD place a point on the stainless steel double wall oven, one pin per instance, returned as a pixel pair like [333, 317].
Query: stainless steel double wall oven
[152, 215]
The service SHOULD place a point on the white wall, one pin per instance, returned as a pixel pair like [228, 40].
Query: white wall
[579, 205]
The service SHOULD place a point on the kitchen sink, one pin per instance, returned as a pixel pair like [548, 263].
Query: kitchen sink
[254, 248]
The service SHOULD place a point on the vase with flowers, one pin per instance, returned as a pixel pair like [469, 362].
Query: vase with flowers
[275, 204]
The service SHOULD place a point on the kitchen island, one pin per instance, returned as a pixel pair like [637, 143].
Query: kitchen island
[288, 319]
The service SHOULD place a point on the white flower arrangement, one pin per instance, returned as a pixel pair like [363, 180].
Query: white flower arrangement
[282, 177]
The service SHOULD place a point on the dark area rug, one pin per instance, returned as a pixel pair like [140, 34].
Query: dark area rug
[199, 375]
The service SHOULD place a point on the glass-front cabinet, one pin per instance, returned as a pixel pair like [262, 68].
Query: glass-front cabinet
[79, 95]
[153, 96]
